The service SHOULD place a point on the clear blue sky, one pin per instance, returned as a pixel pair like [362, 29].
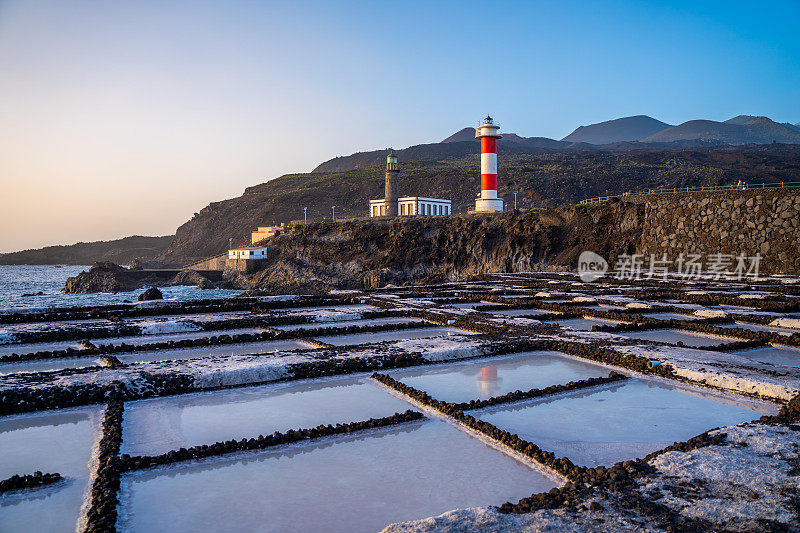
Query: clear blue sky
[127, 117]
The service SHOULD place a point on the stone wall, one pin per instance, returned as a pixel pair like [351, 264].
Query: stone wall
[727, 222]
[217, 262]
[246, 266]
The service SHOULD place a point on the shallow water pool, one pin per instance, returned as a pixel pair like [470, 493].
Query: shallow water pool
[670, 316]
[774, 355]
[585, 324]
[159, 425]
[350, 323]
[616, 422]
[265, 347]
[671, 336]
[519, 312]
[134, 340]
[384, 336]
[349, 483]
[759, 327]
[50, 441]
[485, 378]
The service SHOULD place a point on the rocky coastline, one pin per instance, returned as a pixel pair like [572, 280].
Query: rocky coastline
[110, 277]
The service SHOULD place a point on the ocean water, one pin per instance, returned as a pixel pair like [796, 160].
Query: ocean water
[18, 280]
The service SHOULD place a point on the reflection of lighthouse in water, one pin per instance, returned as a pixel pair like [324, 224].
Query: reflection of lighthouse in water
[488, 382]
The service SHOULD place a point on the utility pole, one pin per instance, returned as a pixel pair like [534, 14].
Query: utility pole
[230, 243]
[515, 200]
[333, 208]
[305, 216]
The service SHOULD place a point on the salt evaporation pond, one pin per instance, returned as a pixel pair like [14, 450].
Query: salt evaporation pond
[348, 483]
[759, 327]
[585, 324]
[49, 441]
[329, 311]
[618, 422]
[774, 355]
[159, 425]
[469, 305]
[605, 307]
[178, 354]
[671, 336]
[519, 312]
[485, 378]
[135, 340]
[670, 316]
[48, 365]
[384, 336]
[349, 323]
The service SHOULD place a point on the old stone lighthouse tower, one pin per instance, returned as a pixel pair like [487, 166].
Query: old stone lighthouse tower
[390, 194]
[392, 204]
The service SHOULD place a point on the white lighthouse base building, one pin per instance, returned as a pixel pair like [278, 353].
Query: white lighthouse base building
[488, 205]
[412, 206]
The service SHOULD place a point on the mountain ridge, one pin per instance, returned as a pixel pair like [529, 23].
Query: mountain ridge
[633, 128]
[736, 131]
[120, 251]
[626, 133]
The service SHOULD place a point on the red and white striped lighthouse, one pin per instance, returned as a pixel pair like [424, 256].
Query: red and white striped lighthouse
[487, 133]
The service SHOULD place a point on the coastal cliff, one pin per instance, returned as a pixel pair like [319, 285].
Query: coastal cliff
[365, 253]
[372, 253]
[543, 180]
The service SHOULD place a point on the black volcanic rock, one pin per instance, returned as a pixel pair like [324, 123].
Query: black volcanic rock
[191, 277]
[633, 128]
[102, 277]
[110, 277]
[151, 294]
